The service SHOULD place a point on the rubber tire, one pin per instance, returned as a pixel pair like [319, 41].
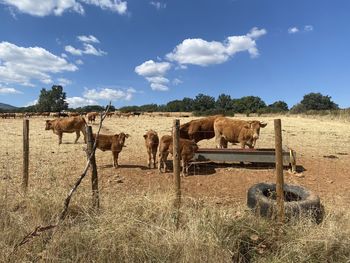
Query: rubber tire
[307, 203]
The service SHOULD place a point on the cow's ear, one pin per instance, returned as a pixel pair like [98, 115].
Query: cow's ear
[127, 135]
[145, 136]
[47, 121]
[263, 124]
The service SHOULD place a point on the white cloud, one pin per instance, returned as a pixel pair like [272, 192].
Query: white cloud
[109, 94]
[22, 65]
[308, 28]
[293, 30]
[75, 102]
[118, 6]
[91, 50]
[31, 103]
[6, 90]
[64, 55]
[200, 52]
[177, 81]
[79, 62]
[88, 39]
[58, 7]
[151, 68]
[73, 50]
[159, 87]
[64, 81]
[154, 73]
[88, 50]
[158, 5]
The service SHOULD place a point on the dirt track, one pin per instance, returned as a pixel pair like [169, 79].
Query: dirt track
[323, 155]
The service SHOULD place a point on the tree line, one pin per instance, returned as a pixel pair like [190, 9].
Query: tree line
[54, 100]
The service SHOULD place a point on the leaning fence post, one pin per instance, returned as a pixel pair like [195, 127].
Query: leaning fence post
[176, 161]
[279, 170]
[94, 177]
[25, 154]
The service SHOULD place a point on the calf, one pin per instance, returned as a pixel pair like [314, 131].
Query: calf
[187, 151]
[151, 142]
[114, 143]
[68, 125]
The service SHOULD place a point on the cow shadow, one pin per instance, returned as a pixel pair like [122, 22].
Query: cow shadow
[142, 167]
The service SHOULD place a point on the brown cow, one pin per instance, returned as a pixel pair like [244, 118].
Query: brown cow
[237, 131]
[91, 116]
[68, 125]
[200, 129]
[187, 151]
[151, 142]
[114, 143]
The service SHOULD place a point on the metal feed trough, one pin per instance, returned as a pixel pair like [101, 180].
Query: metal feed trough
[262, 155]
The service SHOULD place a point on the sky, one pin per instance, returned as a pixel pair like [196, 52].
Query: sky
[134, 52]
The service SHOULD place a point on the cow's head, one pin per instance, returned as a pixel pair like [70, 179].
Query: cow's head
[255, 126]
[48, 125]
[121, 138]
[151, 136]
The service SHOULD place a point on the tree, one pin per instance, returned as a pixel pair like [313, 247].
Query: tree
[174, 106]
[187, 104]
[203, 102]
[248, 104]
[278, 106]
[316, 101]
[53, 100]
[224, 103]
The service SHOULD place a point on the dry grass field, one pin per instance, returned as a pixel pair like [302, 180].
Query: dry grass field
[135, 221]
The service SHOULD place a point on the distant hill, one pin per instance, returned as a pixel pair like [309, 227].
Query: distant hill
[4, 106]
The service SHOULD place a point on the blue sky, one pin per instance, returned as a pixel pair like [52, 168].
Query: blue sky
[139, 52]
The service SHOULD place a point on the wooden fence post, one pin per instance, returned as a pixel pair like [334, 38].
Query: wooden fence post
[25, 178]
[94, 177]
[176, 161]
[279, 170]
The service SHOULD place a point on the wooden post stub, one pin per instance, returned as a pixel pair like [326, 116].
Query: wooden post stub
[94, 177]
[25, 154]
[279, 170]
[176, 161]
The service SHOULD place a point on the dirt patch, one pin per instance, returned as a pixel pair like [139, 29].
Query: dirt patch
[53, 166]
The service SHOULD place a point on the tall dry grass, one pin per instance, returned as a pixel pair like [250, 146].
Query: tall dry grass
[142, 228]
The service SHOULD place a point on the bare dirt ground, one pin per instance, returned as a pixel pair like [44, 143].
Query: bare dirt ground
[322, 147]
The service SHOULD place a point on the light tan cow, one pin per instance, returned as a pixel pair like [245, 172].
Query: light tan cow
[68, 125]
[187, 151]
[237, 131]
[151, 142]
[114, 143]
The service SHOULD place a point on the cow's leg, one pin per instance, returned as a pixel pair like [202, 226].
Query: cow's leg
[84, 134]
[60, 135]
[184, 168]
[149, 157]
[115, 159]
[78, 136]
[154, 153]
[218, 140]
[160, 162]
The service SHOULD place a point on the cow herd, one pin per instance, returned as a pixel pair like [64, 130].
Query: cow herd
[225, 130]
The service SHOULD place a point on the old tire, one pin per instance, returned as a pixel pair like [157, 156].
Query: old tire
[299, 201]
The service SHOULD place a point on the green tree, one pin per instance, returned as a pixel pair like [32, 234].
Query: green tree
[224, 103]
[187, 104]
[278, 106]
[174, 106]
[316, 101]
[248, 104]
[53, 100]
[203, 103]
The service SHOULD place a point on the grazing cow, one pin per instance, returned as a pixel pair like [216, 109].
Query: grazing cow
[114, 143]
[237, 131]
[68, 125]
[187, 151]
[151, 142]
[73, 114]
[92, 116]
